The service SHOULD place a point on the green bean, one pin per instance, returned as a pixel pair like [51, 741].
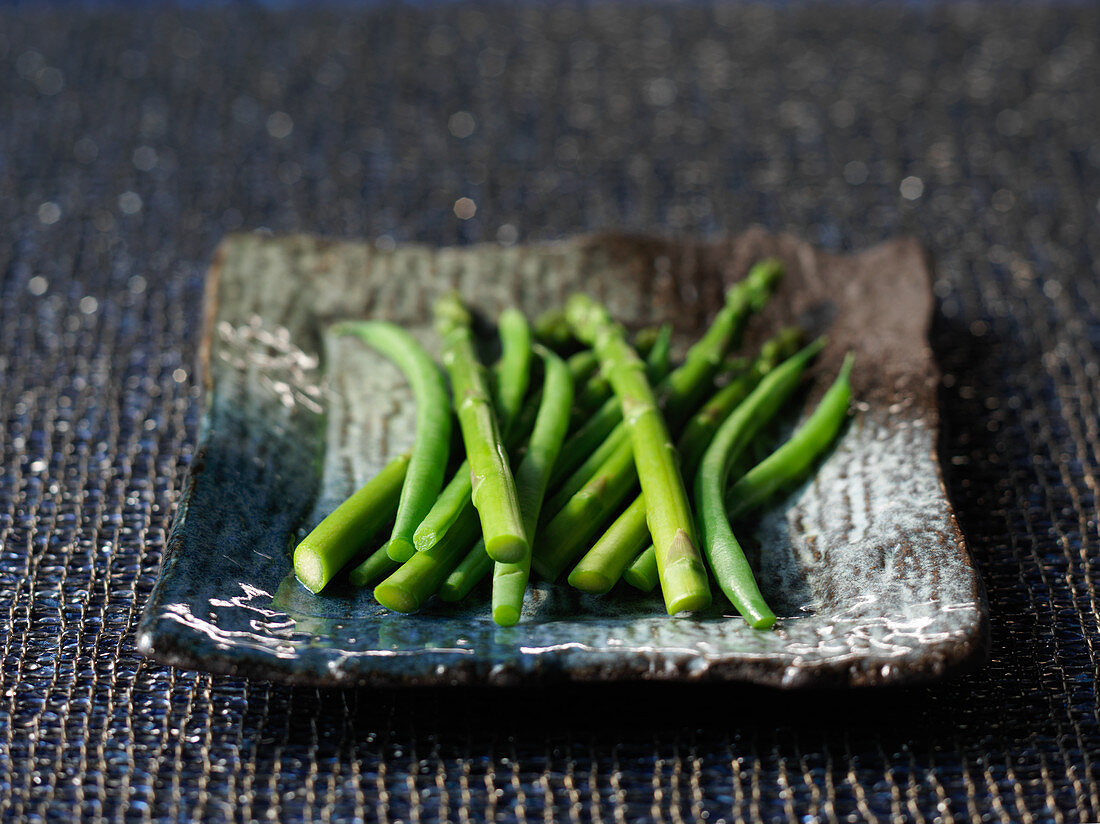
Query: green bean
[342, 534]
[727, 560]
[376, 565]
[642, 573]
[416, 580]
[513, 371]
[790, 461]
[428, 462]
[469, 572]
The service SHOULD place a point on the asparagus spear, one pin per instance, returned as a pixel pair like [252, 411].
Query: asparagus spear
[477, 564]
[606, 561]
[513, 372]
[689, 382]
[336, 540]
[727, 560]
[683, 578]
[532, 476]
[433, 425]
[493, 489]
[603, 565]
[791, 460]
[600, 424]
[642, 572]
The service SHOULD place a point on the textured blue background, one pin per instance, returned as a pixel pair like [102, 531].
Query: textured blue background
[131, 140]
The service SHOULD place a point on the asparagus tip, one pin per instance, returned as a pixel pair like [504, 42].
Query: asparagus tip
[506, 615]
[400, 549]
[507, 549]
[396, 598]
[590, 581]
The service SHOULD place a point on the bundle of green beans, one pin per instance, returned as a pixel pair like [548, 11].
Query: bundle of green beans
[578, 463]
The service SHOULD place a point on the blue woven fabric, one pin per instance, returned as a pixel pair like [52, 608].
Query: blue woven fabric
[131, 140]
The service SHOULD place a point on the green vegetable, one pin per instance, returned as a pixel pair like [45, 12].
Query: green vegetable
[700, 430]
[513, 372]
[428, 462]
[687, 384]
[552, 330]
[642, 573]
[583, 365]
[376, 565]
[568, 531]
[416, 580]
[600, 569]
[603, 565]
[790, 461]
[532, 476]
[464, 577]
[493, 489]
[727, 560]
[342, 534]
[683, 578]
[600, 424]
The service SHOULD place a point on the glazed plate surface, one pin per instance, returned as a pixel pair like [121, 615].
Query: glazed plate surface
[865, 564]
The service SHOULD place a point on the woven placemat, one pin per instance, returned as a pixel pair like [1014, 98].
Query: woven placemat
[132, 140]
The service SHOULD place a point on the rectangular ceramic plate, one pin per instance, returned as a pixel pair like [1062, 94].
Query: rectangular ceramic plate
[865, 563]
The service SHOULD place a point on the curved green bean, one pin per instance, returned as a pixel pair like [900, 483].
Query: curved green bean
[791, 460]
[727, 560]
[428, 462]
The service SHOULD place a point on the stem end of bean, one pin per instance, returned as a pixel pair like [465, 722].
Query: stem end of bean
[396, 598]
[400, 549]
[505, 615]
[310, 571]
[586, 580]
[507, 549]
